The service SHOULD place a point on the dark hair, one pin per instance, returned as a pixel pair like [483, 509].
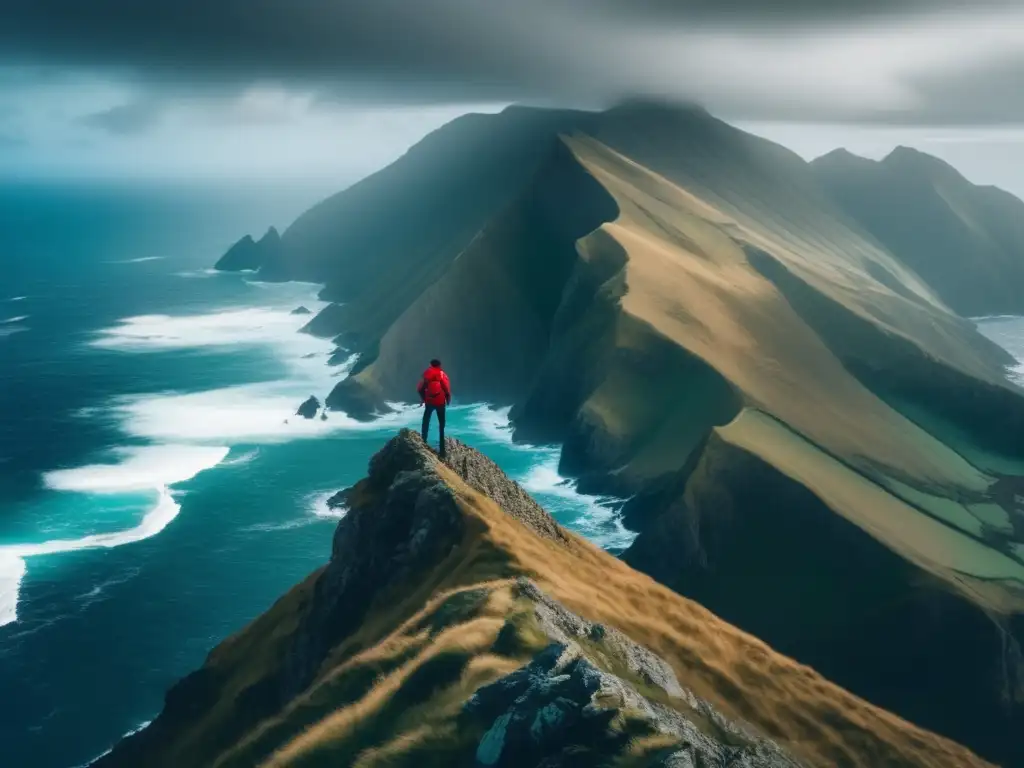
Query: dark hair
[436, 363]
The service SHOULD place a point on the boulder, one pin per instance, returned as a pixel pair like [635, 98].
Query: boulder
[309, 408]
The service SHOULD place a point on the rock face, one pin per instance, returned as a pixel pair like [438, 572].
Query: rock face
[301, 311]
[248, 254]
[563, 709]
[309, 408]
[432, 636]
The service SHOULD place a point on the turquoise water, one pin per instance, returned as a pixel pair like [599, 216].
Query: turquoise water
[156, 491]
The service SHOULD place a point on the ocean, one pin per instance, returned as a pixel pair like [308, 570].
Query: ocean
[156, 490]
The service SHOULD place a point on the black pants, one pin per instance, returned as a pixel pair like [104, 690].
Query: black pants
[429, 409]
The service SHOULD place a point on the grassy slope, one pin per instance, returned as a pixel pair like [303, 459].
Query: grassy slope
[698, 274]
[391, 693]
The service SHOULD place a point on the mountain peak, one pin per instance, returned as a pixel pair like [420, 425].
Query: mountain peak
[910, 159]
[842, 155]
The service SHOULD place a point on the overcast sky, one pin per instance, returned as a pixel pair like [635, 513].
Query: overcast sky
[336, 87]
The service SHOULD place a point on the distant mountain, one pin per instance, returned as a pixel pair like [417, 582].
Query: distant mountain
[816, 447]
[966, 241]
[456, 624]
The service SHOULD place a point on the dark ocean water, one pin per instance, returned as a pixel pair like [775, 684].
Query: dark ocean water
[152, 498]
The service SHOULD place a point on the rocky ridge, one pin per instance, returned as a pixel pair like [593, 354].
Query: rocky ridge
[426, 614]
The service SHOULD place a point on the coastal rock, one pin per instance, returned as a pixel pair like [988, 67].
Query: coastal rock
[248, 254]
[301, 310]
[309, 408]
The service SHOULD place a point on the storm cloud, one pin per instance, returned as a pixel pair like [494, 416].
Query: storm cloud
[885, 61]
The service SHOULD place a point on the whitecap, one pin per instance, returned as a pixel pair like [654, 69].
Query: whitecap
[139, 260]
[595, 517]
[317, 504]
[200, 273]
[12, 563]
[493, 423]
[10, 330]
[287, 525]
[241, 459]
[228, 327]
[17, 319]
[17, 298]
[150, 467]
[138, 468]
[249, 413]
[132, 732]
[87, 598]
[12, 571]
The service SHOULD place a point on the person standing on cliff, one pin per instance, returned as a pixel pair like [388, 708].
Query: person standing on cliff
[435, 393]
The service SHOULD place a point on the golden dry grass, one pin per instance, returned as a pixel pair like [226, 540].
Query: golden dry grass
[745, 678]
[689, 279]
[390, 695]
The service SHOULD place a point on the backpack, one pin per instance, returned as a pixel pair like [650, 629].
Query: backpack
[434, 388]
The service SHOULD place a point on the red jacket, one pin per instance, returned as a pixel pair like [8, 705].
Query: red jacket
[434, 388]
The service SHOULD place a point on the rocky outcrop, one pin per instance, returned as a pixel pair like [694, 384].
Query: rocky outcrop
[433, 634]
[248, 254]
[567, 708]
[301, 310]
[309, 408]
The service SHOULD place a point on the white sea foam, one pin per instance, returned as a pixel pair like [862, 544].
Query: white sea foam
[201, 273]
[250, 413]
[597, 518]
[317, 503]
[17, 319]
[132, 732]
[594, 516]
[139, 260]
[12, 563]
[1008, 332]
[10, 330]
[494, 423]
[17, 298]
[88, 598]
[243, 458]
[140, 468]
[287, 525]
[230, 327]
[12, 570]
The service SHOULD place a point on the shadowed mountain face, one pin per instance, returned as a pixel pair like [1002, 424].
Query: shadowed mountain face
[790, 405]
[457, 624]
[966, 241]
